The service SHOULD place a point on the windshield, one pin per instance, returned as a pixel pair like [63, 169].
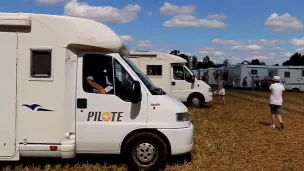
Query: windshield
[148, 83]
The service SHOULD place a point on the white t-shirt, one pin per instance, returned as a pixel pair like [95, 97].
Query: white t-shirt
[276, 93]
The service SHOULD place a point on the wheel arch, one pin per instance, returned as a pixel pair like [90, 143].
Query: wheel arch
[137, 131]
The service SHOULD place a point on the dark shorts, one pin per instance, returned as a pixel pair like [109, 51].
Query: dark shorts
[276, 109]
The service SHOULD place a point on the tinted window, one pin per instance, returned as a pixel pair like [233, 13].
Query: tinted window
[154, 70]
[41, 64]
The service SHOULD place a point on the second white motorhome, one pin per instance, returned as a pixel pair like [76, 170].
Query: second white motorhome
[237, 73]
[50, 108]
[170, 73]
[292, 77]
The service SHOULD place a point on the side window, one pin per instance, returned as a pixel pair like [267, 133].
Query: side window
[123, 81]
[178, 72]
[254, 72]
[287, 74]
[187, 73]
[302, 73]
[41, 63]
[154, 70]
[98, 74]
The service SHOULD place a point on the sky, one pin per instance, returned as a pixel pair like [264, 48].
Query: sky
[237, 30]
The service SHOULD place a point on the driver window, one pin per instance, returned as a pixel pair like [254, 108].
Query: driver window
[98, 74]
[178, 72]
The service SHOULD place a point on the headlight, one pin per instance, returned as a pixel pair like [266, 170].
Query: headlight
[181, 117]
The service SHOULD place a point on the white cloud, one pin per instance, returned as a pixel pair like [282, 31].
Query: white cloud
[261, 42]
[211, 52]
[283, 23]
[171, 9]
[247, 47]
[192, 21]
[49, 1]
[217, 16]
[144, 43]
[287, 54]
[301, 50]
[102, 13]
[126, 38]
[297, 42]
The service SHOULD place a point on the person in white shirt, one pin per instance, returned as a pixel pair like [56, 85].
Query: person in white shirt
[276, 101]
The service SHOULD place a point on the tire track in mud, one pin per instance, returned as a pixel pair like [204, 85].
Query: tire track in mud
[287, 106]
[297, 99]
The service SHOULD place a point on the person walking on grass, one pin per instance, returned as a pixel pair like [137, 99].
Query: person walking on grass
[220, 89]
[276, 101]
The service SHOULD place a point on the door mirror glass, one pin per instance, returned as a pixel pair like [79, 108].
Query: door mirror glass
[136, 91]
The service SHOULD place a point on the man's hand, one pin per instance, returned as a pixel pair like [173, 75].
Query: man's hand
[102, 91]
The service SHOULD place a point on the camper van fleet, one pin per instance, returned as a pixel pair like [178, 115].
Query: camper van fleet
[69, 88]
[170, 73]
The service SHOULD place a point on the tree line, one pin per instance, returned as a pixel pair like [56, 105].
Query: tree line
[192, 62]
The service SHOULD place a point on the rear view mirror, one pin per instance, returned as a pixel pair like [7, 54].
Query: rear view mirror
[136, 92]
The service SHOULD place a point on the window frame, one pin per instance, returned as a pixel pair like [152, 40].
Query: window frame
[285, 74]
[40, 49]
[183, 72]
[153, 65]
[82, 70]
[254, 70]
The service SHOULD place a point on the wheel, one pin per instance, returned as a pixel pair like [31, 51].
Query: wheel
[145, 151]
[196, 100]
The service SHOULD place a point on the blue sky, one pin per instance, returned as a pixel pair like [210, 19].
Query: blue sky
[269, 30]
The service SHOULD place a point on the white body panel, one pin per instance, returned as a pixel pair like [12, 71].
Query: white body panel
[179, 89]
[8, 62]
[40, 116]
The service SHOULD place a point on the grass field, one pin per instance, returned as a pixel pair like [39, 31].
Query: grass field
[227, 137]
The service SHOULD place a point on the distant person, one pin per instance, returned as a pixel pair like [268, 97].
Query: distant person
[276, 101]
[257, 82]
[245, 82]
[220, 89]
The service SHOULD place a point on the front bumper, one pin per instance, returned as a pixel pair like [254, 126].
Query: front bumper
[181, 140]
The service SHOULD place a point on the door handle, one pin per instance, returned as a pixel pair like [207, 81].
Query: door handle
[173, 83]
[81, 103]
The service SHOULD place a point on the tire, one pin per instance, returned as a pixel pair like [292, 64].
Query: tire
[145, 141]
[196, 100]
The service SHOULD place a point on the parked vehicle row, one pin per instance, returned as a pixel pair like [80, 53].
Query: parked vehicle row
[49, 109]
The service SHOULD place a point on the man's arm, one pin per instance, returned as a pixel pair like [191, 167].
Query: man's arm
[100, 89]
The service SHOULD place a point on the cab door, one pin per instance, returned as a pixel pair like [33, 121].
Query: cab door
[103, 120]
[181, 88]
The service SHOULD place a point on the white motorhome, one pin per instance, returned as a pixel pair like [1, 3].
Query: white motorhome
[213, 73]
[292, 77]
[237, 73]
[49, 110]
[170, 73]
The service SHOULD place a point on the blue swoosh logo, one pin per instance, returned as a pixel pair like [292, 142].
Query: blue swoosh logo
[36, 106]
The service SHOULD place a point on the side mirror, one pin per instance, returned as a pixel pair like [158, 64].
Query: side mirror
[191, 79]
[136, 92]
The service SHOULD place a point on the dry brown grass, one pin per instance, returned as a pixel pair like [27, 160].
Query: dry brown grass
[227, 137]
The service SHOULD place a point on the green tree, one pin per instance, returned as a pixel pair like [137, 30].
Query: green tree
[295, 60]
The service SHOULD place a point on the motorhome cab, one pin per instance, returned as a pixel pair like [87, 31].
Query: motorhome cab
[170, 73]
[52, 107]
